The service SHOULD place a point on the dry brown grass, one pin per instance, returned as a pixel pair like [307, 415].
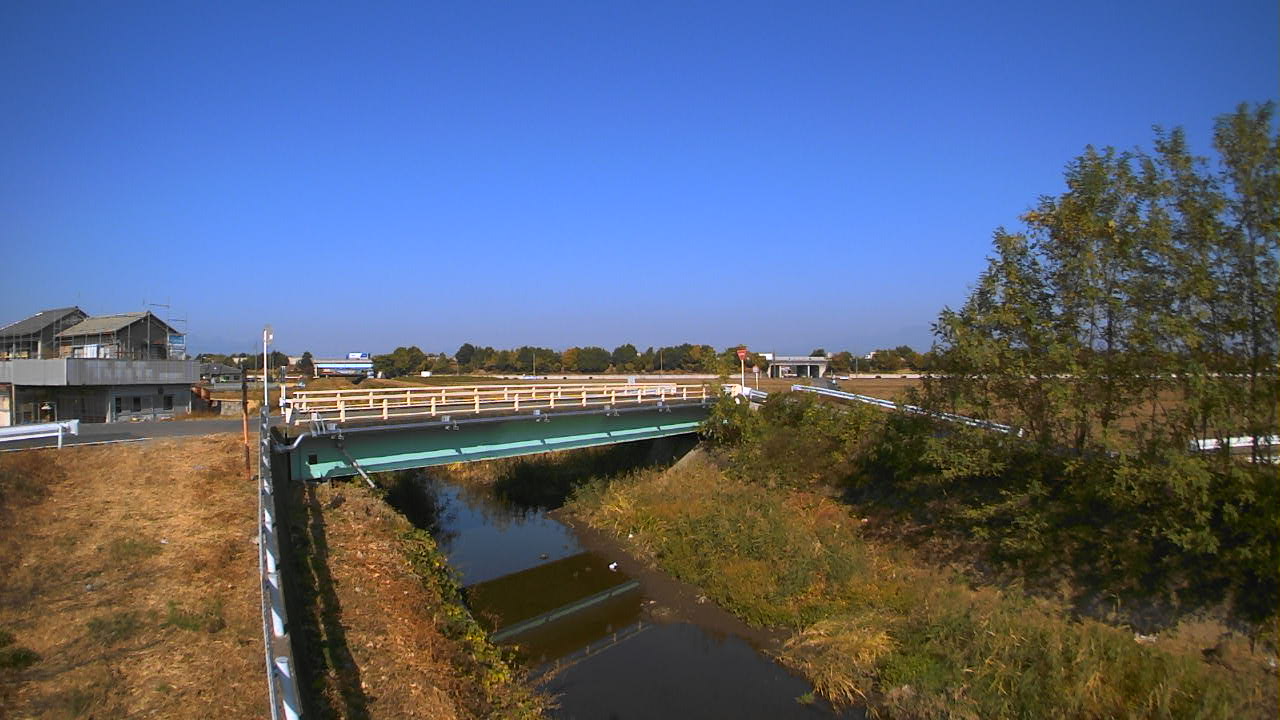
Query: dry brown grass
[385, 652]
[131, 571]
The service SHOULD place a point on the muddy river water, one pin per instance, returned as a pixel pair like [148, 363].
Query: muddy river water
[607, 637]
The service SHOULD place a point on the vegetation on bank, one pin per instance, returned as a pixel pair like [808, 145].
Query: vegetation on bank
[383, 631]
[874, 623]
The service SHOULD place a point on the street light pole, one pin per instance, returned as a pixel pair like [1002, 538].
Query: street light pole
[267, 337]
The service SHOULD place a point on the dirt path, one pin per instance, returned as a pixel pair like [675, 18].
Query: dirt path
[131, 573]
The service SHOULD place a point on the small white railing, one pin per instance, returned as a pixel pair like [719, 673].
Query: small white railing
[43, 430]
[392, 403]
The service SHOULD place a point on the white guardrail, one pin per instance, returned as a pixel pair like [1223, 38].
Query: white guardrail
[914, 410]
[43, 430]
[282, 683]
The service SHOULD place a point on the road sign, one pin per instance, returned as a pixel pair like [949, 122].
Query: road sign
[742, 353]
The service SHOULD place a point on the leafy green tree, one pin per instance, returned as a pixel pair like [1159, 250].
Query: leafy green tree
[592, 359]
[306, 364]
[624, 357]
[818, 352]
[466, 353]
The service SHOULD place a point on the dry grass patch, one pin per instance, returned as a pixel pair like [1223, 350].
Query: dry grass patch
[379, 627]
[98, 547]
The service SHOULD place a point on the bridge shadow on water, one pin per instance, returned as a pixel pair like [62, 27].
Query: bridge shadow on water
[326, 656]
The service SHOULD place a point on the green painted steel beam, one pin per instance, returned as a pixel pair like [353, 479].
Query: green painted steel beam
[434, 443]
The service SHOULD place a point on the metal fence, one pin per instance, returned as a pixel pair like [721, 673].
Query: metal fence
[282, 683]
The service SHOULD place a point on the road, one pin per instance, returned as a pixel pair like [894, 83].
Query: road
[132, 432]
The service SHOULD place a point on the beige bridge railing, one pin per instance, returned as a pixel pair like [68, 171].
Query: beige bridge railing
[391, 403]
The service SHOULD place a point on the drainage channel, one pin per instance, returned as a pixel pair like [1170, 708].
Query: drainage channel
[607, 638]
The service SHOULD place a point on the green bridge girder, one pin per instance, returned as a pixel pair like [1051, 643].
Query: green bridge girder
[380, 448]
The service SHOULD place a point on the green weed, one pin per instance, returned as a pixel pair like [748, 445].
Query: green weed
[208, 619]
[17, 658]
[126, 550]
[114, 628]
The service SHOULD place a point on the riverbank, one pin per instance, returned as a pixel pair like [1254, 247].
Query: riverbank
[383, 630]
[877, 624]
[129, 582]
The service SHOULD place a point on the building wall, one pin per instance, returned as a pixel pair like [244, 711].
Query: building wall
[63, 403]
[147, 402]
[84, 371]
[101, 404]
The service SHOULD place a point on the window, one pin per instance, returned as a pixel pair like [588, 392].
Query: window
[137, 403]
[168, 402]
[119, 405]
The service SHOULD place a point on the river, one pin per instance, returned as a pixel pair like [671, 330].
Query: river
[604, 635]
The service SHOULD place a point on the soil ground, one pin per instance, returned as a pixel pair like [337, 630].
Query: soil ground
[131, 572]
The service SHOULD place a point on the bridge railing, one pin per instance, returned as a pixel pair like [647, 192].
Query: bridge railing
[391, 403]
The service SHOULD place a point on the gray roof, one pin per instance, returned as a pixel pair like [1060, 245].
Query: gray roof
[108, 324]
[37, 322]
[218, 369]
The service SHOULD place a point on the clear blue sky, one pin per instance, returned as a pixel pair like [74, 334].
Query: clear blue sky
[789, 175]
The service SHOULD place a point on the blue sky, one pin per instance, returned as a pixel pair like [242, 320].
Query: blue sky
[788, 175]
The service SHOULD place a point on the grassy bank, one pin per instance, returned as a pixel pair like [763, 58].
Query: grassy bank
[128, 582]
[384, 630]
[875, 623]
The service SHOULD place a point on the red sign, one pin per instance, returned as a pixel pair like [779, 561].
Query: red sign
[742, 353]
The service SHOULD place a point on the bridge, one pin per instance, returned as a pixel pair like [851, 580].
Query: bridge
[359, 431]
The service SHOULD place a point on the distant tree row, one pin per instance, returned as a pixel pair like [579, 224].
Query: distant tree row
[528, 359]
[246, 361]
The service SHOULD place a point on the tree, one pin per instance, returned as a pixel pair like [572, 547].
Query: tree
[624, 357]
[466, 352]
[819, 352]
[592, 359]
[842, 361]
[569, 359]
[1151, 274]
[306, 365]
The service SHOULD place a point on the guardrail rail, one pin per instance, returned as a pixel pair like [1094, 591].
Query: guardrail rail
[42, 430]
[282, 683]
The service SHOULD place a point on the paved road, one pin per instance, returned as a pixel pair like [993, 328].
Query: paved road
[132, 432]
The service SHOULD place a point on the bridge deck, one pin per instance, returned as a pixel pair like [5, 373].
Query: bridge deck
[397, 403]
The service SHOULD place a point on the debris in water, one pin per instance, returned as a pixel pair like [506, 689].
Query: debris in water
[613, 566]
[543, 556]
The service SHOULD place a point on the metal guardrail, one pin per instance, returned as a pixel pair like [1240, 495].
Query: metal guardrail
[43, 430]
[1234, 443]
[282, 684]
[889, 404]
